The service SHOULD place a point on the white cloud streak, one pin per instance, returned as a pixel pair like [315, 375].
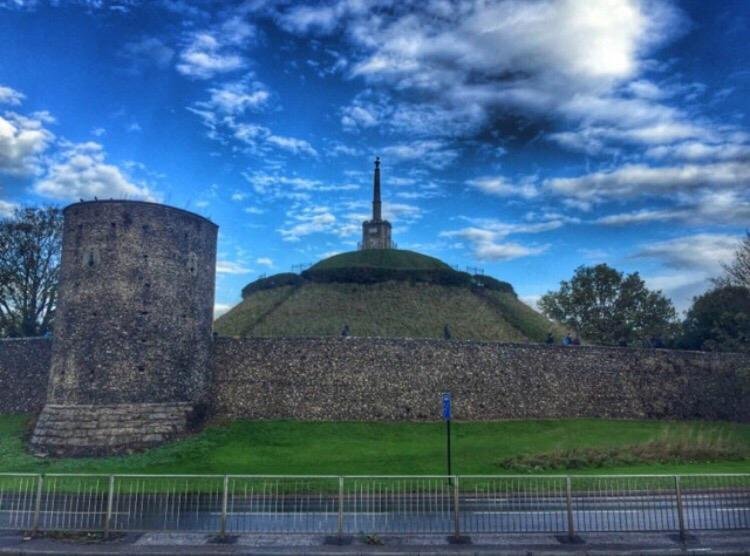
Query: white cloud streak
[23, 139]
[216, 51]
[231, 267]
[10, 96]
[81, 172]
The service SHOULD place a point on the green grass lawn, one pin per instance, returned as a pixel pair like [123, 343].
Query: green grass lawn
[287, 447]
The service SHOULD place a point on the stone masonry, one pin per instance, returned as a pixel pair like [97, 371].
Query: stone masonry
[133, 325]
[78, 430]
[24, 374]
[361, 379]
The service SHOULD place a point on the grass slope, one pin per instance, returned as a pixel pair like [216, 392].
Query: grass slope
[242, 319]
[399, 259]
[389, 309]
[285, 447]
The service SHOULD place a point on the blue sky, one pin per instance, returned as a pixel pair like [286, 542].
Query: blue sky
[524, 138]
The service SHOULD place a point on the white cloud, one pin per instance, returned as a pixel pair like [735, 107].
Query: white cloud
[320, 17]
[258, 139]
[366, 110]
[80, 171]
[455, 65]
[342, 219]
[487, 237]
[643, 88]
[7, 208]
[307, 221]
[606, 119]
[264, 261]
[220, 309]
[596, 42]
[696, 150]
[633, 180]
[10, 96]
[231, 267]
[236, 98]
[706, 207]
[704, 252]
[203, 58]
[690, 262]
[290, 187]
[22, 140]
[505, 251]
[216, 51]
[433, 153]
[501, 187]
[639, 217]
[357, 116]
[401, 213]
[292, 144]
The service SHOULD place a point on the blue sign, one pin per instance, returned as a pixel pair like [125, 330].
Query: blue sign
[446, 406]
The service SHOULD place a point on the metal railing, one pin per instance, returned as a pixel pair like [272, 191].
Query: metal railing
[349, 505]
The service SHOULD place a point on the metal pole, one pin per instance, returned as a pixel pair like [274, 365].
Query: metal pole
[110, 499]
[37, 505]
[341, 508]
[448, 433]
[569, 507]
[456, 520]
[224, 500]
[680, 510]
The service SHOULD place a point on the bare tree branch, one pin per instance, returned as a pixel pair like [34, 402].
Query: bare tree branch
[30, 246]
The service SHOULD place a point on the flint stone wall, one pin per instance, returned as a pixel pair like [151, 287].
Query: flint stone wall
[401, 379]
[135, 304]
[381, 379]
[24, 372]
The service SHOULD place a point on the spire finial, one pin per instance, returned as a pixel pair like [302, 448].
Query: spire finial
[376, 204]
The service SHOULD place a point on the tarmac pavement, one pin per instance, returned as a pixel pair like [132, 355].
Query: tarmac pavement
[724, 542]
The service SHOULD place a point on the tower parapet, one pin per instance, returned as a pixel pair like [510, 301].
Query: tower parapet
[132, 336]
[376, 233]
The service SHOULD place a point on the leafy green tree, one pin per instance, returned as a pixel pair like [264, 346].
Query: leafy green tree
[719, 320]
[30, 246]
[606, 307]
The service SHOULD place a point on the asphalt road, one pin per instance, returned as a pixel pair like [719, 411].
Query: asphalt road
[404, 514]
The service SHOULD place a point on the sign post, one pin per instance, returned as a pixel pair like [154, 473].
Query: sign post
[447, 419]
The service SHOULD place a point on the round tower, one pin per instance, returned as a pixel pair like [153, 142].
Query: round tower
[132, 334]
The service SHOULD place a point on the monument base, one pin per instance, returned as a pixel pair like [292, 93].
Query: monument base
[99, 430]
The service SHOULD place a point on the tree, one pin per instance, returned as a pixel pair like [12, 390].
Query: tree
[737, 273]
[606, 307]
[719, 320]
[30, 246]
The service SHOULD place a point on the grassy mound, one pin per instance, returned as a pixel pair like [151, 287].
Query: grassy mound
[387, 309]
[388, 293]
[289, 447]
[394, 259]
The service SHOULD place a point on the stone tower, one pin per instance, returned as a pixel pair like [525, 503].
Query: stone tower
[376, 233]
[132, 335]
